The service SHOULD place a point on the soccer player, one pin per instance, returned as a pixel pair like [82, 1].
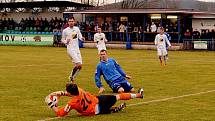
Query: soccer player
[160, 41]
[113, 75]
[86, 103]
[100, 40]
[167, 46]
[70, 37]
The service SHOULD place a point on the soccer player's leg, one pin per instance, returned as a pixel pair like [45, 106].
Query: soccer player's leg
[165, 56]
[105, 103]
[116, 87]
[127, 87]
[77, 60]
[119, 108]
[160, 56]
[128, 96]
[75, 71]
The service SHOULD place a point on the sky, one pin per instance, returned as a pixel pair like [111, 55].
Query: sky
[208, 0]
[112, 1]
[101, 1]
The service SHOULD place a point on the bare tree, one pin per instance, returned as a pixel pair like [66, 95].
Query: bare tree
[98, 3]
[132, 3]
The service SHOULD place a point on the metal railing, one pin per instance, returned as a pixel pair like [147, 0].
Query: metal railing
[200, 44]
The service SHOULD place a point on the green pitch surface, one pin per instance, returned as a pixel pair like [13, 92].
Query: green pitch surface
[184, 90]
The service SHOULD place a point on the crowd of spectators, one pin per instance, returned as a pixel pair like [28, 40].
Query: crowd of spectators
[31, 24]
[205, 34]
[114, 30]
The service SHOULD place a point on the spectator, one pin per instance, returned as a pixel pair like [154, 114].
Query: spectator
[153, 27]
[121, 31]
[187, 34]
[208, 35]
[148, 29]
[213, 34]
[203, 35]
[159, 27]
[196, 34]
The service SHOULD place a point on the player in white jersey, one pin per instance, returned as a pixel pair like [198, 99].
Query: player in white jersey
[160, 41]
[100, 40]
[70, 37]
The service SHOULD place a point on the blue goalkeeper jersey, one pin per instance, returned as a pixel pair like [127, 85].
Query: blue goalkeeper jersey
[111, 71]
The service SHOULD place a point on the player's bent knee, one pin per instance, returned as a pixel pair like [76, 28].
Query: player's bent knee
[132, 90]
[78, 65]
[121, 90]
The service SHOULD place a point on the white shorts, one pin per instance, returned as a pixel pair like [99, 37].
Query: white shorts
[162, 52]
[101, 48]
[75, 56]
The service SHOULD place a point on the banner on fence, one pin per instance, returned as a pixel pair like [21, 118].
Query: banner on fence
[200, 45]
[25, 39]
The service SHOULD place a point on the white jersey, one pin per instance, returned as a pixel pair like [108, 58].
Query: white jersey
[160, 41]
[70, 37]
[100, 39]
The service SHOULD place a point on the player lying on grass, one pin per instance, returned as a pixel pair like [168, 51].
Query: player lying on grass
[113, 75]
[86, 103]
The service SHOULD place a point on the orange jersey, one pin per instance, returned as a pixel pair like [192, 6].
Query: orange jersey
[84, 103]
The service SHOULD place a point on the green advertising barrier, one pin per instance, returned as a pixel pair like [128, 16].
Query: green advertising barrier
[26, 39]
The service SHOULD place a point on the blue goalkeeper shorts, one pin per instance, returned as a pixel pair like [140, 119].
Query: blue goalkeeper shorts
[124, 84]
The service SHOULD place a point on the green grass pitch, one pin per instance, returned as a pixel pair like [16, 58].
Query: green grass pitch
[28, 74]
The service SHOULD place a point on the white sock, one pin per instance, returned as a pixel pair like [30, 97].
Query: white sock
[133, 95]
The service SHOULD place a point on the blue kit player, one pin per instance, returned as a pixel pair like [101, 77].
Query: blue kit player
[167, 46]
[113, 75]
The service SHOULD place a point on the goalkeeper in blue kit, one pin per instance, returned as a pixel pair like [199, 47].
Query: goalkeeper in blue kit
[113, 75]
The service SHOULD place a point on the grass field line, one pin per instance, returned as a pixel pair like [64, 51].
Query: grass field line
[30, 65]
[171, 98]
[148, 102]
[48, 119]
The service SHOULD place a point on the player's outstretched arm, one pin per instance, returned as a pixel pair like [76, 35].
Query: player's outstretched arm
[59, 93]
[128, 77]
[101, 90]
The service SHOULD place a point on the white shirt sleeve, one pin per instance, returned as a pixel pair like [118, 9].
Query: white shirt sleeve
[63, 39]
[105, 40]
[95, 38]
[79, 34]
[156, 39]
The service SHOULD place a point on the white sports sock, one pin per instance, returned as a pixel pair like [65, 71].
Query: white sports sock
[133, 95]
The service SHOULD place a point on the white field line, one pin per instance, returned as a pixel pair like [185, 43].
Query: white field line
[171, 98]
[32, 65]
[148, 102]
[48, 119]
